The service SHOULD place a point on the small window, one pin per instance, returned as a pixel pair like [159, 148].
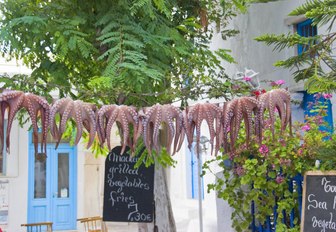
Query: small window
[305, 29]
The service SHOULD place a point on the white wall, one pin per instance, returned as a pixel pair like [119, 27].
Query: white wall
[17, 175]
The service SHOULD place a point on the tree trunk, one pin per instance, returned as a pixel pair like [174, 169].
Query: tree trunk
[164, 218]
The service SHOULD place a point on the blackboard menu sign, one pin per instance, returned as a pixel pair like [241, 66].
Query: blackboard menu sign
[128, 192]
[319, 202]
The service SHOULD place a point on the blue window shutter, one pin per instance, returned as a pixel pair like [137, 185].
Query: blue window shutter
[305, 29]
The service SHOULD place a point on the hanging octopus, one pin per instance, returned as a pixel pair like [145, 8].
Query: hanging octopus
[35, 105]
[234, 112]
[194, 117]
[124, 116]
[277, 99]
[153, 118]
[82, 113]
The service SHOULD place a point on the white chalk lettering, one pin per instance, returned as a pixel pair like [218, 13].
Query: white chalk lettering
[315, 204]
[327, 187]
[135, 183]
[123, 158]
[119, 197]
[324, 224]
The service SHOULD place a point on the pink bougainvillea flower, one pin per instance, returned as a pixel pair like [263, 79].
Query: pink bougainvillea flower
[232, 155]
[279, 179]
[319, 120]
[306, 127]
[282, 142]
[278, 83]
[235, 87]
[263, 149]
[247, 78]
[327, 95]
[286, 162]
[240, 171]
[317, 96]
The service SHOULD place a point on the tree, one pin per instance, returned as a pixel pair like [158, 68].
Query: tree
[316, 65]
[134, 52]
[127, 52]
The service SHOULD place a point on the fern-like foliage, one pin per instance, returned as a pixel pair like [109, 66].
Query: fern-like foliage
[137, 52]
[321, 11]
[283, 41]
[316, 64]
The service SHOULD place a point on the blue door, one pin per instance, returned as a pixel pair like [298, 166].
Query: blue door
[52, 189]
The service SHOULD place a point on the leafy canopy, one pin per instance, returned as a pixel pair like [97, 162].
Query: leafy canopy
[136, 52]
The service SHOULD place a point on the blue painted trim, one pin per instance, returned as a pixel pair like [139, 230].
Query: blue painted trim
[300, 30]
[4, 153]
[308, 99]
[51, 152]
[193, 183]
[74, 184]
[194, 174]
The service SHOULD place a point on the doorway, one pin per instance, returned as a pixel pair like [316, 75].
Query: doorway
[52, 186]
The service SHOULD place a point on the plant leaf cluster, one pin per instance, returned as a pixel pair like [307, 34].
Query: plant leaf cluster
[261, 173]
[316, 65]
[135, 52]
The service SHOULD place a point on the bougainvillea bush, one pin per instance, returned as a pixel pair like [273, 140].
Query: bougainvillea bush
[262, 173]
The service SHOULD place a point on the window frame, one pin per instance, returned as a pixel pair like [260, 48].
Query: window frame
[301, 30]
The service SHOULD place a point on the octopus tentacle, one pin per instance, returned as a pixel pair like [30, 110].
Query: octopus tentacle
[170, 129]
[64, 118]
[89, 121]
[124, 116]
[14, 106]
[16, 100]
[277, 99]
[57, 107]
[78, 119]
[33, 115]
[236, 111]
[36, 105]
[180, 134]
[109, 125]
[157, 124]
[197, 113]
[154, 117]
[101, 122]
[82, 113]
[125, 130]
